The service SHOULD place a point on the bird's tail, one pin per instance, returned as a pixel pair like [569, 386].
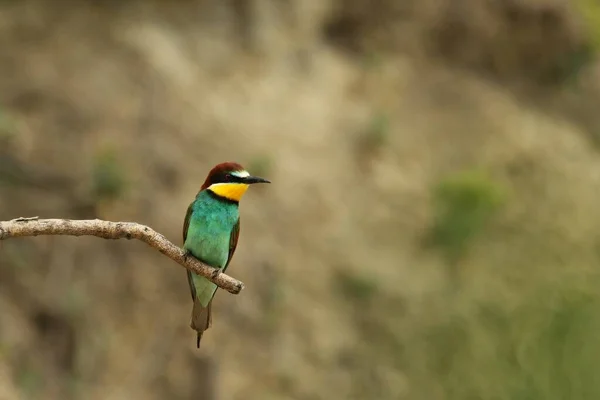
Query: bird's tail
[201, 319]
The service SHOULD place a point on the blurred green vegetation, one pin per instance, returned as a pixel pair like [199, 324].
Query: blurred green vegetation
[372, 60]
[463, 204]
[378, 131]
[8, 128]
[538, 343]
[31, 383]
[108, 175]
[354, 287]
[373, 139]
[590, 10]
[573, 62]
[541, 345]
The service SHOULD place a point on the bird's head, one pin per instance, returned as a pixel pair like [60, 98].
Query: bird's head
[230, 180]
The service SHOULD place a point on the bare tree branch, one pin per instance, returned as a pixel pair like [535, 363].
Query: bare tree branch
[33, 226]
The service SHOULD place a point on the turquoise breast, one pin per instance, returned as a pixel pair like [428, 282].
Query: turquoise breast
[210, 228]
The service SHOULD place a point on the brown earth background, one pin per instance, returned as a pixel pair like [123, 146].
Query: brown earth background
[432, 231]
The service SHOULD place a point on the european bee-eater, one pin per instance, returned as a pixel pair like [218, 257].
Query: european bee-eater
[210, 233]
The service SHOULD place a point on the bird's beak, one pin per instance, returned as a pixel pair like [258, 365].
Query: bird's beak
[255, 179]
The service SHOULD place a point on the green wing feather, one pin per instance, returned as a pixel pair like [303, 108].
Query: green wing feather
[186, 225]
[233, 241]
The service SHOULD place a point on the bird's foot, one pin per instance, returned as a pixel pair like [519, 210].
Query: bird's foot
[186, 254]
[216, 273]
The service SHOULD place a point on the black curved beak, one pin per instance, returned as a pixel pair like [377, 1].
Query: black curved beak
[255, 179]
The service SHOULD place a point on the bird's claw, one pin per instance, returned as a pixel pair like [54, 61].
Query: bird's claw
[186, 254]
[216, 273]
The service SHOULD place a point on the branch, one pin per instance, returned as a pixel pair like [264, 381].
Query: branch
[34, 226]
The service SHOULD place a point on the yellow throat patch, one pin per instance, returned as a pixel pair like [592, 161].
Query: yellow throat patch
[231, 191]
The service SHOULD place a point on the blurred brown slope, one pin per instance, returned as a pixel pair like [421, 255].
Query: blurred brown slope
[355, 111]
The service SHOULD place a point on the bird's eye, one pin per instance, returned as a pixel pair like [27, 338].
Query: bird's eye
[227, 177]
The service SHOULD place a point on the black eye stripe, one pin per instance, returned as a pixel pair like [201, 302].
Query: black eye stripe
[227, 177]
[233, 178]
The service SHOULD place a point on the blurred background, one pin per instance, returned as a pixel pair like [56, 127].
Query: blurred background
[432, 230]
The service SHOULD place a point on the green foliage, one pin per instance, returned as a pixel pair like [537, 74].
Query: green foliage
[569, 68]
[372, 140]
[446, 340]
[463, 204]
[537, 341]
[355, 287]
[590, 11]
[546, 347]
[372, 60]
[108, 175]
[378, 132]
[572, 64]
[8, 129]
[30, 383]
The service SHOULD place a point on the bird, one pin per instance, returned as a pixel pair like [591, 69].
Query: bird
[210, 233]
